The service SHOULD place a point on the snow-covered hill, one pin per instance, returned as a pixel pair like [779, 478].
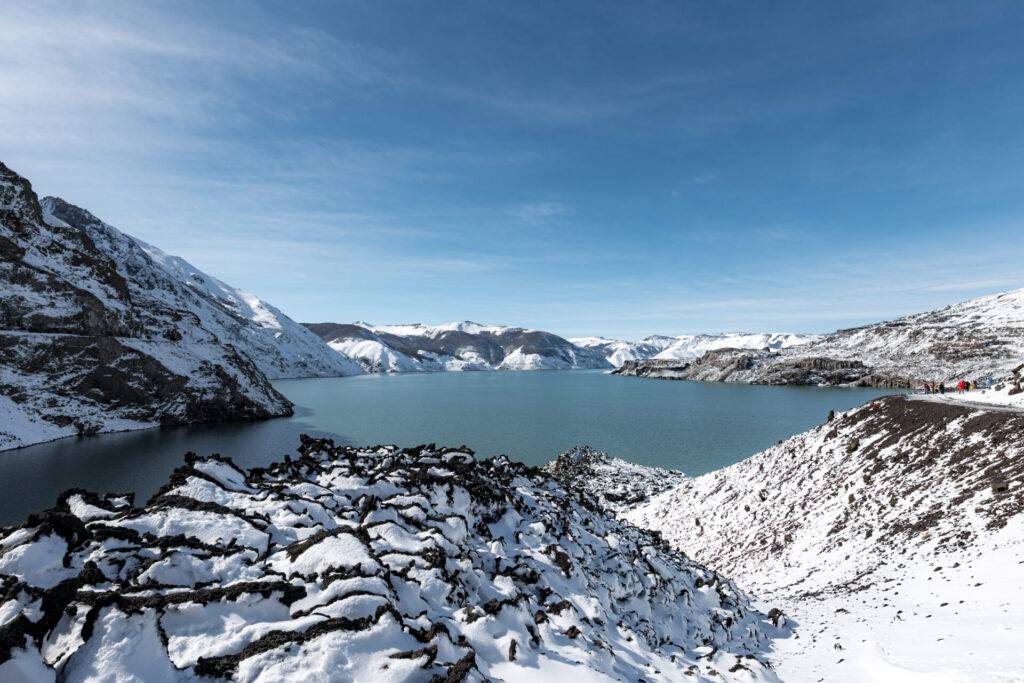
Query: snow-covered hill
[893, 534]
[974, 339]
[85, 347]
[279, 346]
[455, 346]
[687, 346]
[364, 565]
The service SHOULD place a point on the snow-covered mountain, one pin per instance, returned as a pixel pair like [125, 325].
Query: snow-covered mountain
[471, 346]
[279, 346]
[456, 346]
[893, 534]
[687, 346]
[970, 340]
[87, 347]
[364, 565]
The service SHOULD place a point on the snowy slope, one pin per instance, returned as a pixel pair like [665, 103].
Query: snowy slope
[617, 352]
[974, 339]
[364, 565]
[693, 346]
[687, 346]
[85, 349]
[278, 345]
[893, 534]
[452, 347]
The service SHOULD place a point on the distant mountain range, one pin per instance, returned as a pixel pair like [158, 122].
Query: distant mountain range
[452, 347]
[687, 346]
[970, 340]
[471, 346]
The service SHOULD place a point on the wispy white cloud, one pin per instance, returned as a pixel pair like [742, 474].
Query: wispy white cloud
[544, 213]
[975, 285]
[135, 80]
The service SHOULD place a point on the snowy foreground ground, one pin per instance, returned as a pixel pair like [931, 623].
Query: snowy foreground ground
[892, 535]
[938, 618]
[346, 565]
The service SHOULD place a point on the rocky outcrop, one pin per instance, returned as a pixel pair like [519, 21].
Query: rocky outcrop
[765, 367]
[619, 485]
[345, 564]
[83, 348]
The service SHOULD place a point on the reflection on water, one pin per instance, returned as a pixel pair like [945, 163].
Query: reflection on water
[531, 416]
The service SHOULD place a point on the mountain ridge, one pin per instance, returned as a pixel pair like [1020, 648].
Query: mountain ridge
[280, 347]
[453, 347]
[84, 349]
[973, 339]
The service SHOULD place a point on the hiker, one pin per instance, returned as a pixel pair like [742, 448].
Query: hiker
[927, 389]
[942, 387]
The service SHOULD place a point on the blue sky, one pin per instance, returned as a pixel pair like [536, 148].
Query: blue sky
[586, 168]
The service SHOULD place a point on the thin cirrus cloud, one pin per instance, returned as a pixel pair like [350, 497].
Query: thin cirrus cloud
[544, 213]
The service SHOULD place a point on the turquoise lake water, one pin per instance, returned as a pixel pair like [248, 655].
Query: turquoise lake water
[530, 416]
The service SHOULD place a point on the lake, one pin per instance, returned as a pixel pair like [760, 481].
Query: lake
[530, 416]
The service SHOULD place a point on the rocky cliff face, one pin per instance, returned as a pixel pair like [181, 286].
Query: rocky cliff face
[364, 565]
[457, 346]
[971, 340]
[278, 346]
[763, 367]
[85, 347]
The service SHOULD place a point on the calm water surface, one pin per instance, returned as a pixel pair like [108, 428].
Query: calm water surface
[531, 416]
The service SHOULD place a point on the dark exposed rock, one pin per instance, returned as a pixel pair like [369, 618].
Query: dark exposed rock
[764, 367]
[616, 484]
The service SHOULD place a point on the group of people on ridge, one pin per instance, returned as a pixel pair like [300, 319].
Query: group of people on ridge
[961, 386]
